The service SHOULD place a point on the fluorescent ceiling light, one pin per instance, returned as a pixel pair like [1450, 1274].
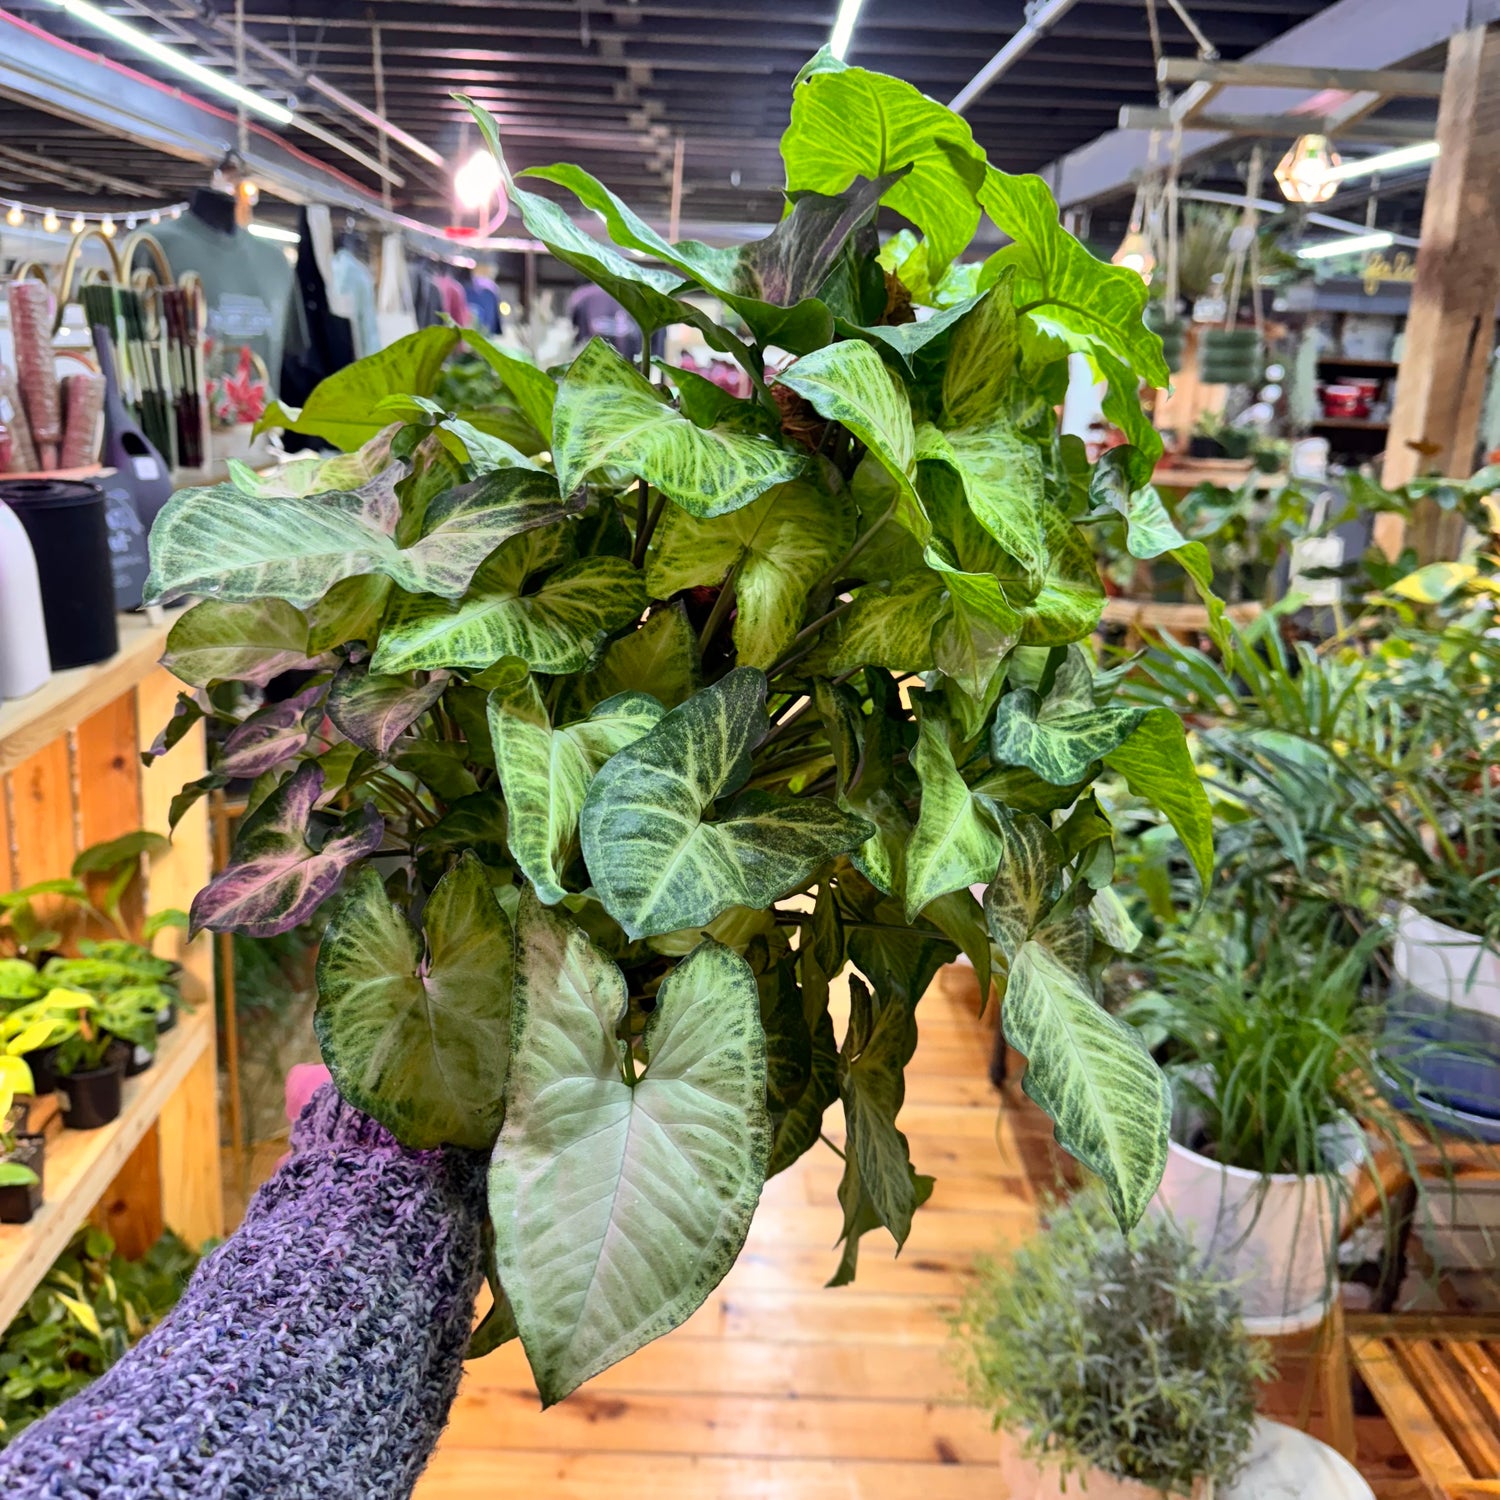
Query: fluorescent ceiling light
[478, 180]
[843, 27]
[170, 57]
[272, 232]
[1378, 240]
[1387, 161]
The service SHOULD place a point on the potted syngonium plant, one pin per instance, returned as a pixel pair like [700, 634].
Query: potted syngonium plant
[630, 712]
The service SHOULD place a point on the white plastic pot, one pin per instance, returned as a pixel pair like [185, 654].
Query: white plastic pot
[1273, 1236]
[1446, 965]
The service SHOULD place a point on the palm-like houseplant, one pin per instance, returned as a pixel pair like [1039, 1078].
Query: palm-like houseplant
[635, 715]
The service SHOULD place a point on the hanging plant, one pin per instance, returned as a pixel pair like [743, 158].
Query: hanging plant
[624, 732]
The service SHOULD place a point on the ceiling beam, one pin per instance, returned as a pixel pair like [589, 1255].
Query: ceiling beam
[1283, 127]
[1391, 82]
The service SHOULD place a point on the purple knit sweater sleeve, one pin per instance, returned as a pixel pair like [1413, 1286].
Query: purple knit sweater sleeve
[315, 1353]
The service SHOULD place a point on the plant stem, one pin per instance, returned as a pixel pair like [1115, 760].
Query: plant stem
[645, 531]
[787, 722]
[836, 1151]
[860, 543]
[722, 605]
[642, 511]
[792, 653]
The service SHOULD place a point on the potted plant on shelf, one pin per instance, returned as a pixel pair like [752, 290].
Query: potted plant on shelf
[20, 1154]
[590, 714]
[1119, 1362]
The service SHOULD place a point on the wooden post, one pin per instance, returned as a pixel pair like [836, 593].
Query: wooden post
[1450, 332]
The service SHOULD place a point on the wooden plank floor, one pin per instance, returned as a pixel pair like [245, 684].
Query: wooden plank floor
[780, 1389]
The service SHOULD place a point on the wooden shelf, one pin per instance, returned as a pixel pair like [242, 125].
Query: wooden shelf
[81, 1164]
[1149, 614]
[67, 698]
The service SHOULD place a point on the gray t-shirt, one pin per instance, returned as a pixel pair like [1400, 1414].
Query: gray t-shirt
[247, 284]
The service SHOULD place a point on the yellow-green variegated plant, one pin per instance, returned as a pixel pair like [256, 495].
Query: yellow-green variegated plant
[633, 712]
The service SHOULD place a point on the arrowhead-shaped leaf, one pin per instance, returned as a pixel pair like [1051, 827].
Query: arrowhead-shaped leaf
[909, 341]
[619, 1202]
[892, 627]
[558, 628]
[1064, 291]
[955, 844]
[342, 408]
[275, 877]
[777, 548]
[798, 1130]
[848, 123]
[375, 710]
[271, 735]
[1108, 1101]
[608, 414]
[849, 383]
[981, 363]
[317, 473]
[296, 547]
[1072, 598]
[250, 641]
[1058, 742]
[1157, 767]
[546, 772]
[656, 864]
[349, 611]
[418, 1034]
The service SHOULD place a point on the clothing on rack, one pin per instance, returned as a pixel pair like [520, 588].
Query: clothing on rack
[354, 287]
[318, 342]
[427, 299]
[455, 303]
[395, 315]
[484, 303]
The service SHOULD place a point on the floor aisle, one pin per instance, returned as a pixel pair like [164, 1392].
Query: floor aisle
[778, 1389]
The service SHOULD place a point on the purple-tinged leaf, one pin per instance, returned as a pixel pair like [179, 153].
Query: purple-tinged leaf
[251, 640]
[270, 736]
[276, 878]
[375, 710]
[187, 712]
[190, 794]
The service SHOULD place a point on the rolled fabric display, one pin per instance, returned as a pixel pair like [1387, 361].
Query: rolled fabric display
[31, 327]
[13, 414]
[83, 401]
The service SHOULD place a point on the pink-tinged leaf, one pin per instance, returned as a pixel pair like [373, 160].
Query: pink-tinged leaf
[270, 735]
[276, 878]
[375, 710]
[187, 712]
[249, 640]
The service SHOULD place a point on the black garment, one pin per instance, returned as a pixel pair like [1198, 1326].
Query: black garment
[322, 342]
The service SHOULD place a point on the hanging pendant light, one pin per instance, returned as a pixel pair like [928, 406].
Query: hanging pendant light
[1306, 174]
[1135, 253]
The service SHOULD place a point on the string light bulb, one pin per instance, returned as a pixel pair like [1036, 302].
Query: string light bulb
[50, 222]
[156, 216]
[130, 222]
[1306, 174]
[15, 218]
[107, 227]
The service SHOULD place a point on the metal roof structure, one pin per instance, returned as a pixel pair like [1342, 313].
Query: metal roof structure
[610, 84]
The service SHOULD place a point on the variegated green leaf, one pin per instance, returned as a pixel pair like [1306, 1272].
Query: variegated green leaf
[607, 414]
[955, 844]
[349, 611]
[619, 1201]
[849, 383]
[342, 408]
[1027, 882]
[250, 641]
[909, 342]
[656, 864]
[375, 710]
[318, 473]
[1003, 480]
[546, 772]
[557, 628]
[890, 627]
[774, 549]
[1093, 1076]
[1071, 599]
[417, 1034]
[296, 547]
[981, 363]
[660, 658]
[1157, 767]
[1060, 742]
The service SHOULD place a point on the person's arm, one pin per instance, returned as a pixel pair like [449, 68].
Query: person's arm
[315, 1353]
